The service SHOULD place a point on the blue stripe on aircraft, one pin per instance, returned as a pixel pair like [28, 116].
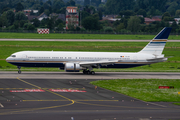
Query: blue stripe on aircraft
[158, 42]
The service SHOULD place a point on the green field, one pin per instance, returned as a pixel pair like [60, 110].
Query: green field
[176, 103]
[9, 47]
[80, 36]
[144, 89]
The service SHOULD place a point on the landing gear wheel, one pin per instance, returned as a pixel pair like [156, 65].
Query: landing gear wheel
[19, 72]
[84, 71]
[92, 72]
[88, 72]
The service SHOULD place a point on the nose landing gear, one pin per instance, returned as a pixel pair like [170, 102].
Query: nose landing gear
[19, 69]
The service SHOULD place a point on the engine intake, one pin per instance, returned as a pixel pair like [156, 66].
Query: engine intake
[72, 67]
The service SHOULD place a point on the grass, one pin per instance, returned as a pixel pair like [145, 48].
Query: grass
[176, 103]
[144, 89]
[9, 47]
[79, 36]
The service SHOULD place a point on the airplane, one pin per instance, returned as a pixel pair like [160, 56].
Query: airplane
[86, 61]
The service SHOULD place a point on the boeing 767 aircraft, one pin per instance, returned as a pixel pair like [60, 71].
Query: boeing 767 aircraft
[86, 61]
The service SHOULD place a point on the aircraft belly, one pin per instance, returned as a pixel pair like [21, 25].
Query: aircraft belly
[29, 64]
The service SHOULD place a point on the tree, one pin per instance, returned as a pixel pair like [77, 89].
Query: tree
[95, 2]
[100, 14]
[58, 4]
[60, 27]
[50, 24]
[20, 16]
[47, 12]
[127, 13]
[71, 3]
[142, 12]
[86, 2]
[30, 27]
[120, 27]
[174, 26]
[84, 14]
[61, 11]
[16, 24]
[90, 23]
[133, 24]
[147, 5]
[10, 17]
[114, 6]
[41, 10]
[178, 13]
[167, 17]
[172, 8]
[108, 29]
[19, 7]
[46, 5]
[58, 21]
[3, 20]
[36, 22]
[22, 22]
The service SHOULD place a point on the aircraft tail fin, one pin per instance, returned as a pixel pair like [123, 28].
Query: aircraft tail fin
[157, 44]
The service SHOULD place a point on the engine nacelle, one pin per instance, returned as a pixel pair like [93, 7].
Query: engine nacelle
[72, 67]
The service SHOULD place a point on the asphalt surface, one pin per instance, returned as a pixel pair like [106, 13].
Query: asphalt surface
[88, 40]
[76, 99]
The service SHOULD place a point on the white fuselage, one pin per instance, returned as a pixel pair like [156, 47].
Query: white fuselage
[59, 59]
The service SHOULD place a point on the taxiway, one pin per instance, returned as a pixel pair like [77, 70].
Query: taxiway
[69, 96]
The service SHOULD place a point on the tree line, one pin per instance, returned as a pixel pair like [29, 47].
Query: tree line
[91, 13]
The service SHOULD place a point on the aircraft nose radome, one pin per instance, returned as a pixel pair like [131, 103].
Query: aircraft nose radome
[7, 59]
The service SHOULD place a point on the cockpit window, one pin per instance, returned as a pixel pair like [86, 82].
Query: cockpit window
[13, 55]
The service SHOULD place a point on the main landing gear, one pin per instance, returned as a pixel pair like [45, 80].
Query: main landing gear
[19, 69]
[88, 72]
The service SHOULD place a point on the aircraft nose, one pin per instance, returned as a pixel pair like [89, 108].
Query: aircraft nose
[7, 59]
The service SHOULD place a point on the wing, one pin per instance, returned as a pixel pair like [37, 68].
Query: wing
[97, 63]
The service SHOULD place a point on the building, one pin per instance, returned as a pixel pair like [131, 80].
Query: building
[58, 16]
[148, 21]
[42, 16]
[177, 20]
[72, 17]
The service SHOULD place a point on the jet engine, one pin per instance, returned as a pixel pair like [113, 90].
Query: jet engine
[72, 67]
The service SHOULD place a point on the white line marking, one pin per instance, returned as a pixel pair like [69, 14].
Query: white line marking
[1, 105]
[156, 104]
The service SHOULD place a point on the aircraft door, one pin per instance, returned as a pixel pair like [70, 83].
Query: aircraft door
[24, 57]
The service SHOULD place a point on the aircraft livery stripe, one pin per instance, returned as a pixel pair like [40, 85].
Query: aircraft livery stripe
[159, 40]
